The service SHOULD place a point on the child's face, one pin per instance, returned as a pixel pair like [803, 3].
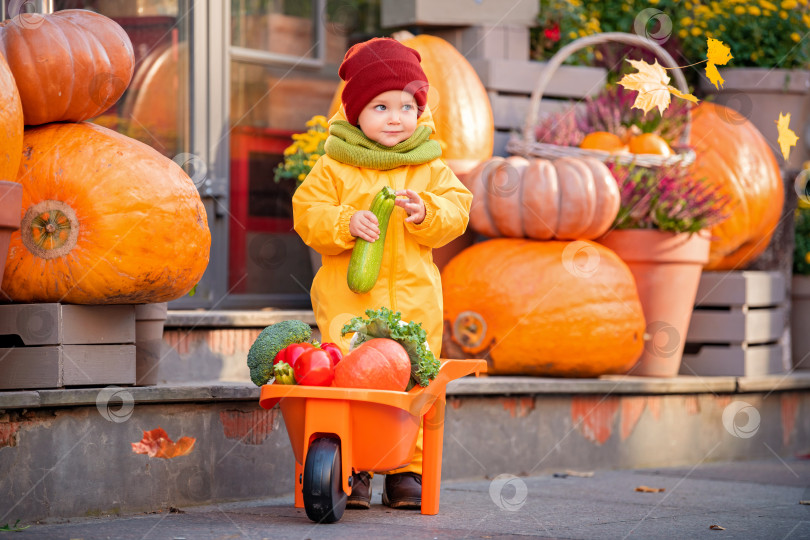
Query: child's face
[389, 118]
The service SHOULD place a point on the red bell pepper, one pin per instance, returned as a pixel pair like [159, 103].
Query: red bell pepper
[314, 368]
[334, 352]
[290, 353]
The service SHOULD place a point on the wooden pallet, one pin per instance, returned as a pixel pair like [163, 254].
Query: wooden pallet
[737, 325]
[55, 345]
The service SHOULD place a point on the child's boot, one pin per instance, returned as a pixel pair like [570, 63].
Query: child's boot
[403, 490]
[361, 491]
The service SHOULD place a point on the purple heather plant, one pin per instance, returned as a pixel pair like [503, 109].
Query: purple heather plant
[667, 199]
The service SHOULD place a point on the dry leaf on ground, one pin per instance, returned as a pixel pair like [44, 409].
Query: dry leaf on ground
[717, 528]
[787, 138]
[156, 443]
[648, 489]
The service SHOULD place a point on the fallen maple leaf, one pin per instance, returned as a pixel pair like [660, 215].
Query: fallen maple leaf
[787, 137]
[652, 84]
[648, 489]
[156, 443]
[718, 55]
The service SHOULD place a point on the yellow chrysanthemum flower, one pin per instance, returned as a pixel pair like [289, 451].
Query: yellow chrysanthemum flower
[739, 10]
[696, 31]
[795, 37]
[767, 5]
[789, 4]
[754, 10]
[682, 33]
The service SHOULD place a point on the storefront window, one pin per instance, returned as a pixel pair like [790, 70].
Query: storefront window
[269, 103]
[155, 107]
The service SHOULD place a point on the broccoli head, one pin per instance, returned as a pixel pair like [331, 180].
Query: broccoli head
[272, 339]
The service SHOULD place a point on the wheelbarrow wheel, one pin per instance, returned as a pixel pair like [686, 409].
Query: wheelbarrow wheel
[324, 498]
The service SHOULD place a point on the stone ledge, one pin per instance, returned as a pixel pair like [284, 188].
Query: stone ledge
[218, 391]
[235, 319]
[609, 384]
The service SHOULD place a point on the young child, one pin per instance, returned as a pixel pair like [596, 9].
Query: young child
[380, 137]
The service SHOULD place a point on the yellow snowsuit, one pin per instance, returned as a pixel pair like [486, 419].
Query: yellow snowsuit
[409, 282]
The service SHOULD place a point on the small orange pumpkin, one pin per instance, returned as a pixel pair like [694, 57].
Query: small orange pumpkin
[11, 124]
[734, 155]
[106, 220]
[71, 65]
[458, 102]
[567, 309]
[569, 198]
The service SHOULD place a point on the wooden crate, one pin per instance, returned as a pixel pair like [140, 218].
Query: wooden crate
[397, 13]
[737, 325]
[55, 345]
[509, 84]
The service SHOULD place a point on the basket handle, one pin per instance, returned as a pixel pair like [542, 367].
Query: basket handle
[587, 41]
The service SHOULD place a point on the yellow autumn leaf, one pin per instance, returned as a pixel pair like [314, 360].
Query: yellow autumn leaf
[652, 84]
[787, 138]
[718, 55]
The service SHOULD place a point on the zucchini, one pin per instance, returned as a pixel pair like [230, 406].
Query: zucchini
[366, 260]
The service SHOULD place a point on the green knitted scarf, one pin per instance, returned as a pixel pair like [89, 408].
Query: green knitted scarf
[348, 144]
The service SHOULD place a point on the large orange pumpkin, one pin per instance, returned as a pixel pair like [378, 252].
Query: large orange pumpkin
[567, 198]
[11, 124]
[458, 101]
[552, 308]
[106, 220]
[732, 153]
[71, 65]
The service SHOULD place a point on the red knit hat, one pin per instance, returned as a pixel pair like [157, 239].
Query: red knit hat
[376, 66]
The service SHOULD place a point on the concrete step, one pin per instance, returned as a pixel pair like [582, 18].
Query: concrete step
[68, 453]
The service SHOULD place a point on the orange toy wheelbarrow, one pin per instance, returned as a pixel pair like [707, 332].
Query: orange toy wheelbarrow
[336, 430]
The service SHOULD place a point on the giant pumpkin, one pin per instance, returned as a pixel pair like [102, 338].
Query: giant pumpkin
[550, 308]
[568, 198]
[106, 220]
[733, 154]
[458, 102]
[11, 124]
[71, 65]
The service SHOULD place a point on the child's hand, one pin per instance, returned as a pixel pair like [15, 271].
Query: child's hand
[413, 205]
[364, 224]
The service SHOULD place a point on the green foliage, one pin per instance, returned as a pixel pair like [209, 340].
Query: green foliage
[385, 323]
[13, 528]
[304, 152]
[801, 246]
[761, 33]
[270, 341]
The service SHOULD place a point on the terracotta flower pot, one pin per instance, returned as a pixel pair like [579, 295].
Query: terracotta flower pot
[800, 321]
[149, 322]
[10, 217]
[667, 268]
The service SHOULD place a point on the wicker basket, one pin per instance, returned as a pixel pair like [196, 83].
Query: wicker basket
[528, 146]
